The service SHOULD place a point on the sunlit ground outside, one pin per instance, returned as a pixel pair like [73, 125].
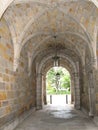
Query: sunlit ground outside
[61, 100]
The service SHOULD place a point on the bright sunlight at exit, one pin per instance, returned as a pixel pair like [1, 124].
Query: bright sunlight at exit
[58, 86]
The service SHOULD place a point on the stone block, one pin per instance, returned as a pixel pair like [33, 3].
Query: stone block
[2, 47]
[0, 74]
[2, 112]
[5, 103]
[3, 96]
[96, 107]
[11, 59]
[0, 104]
[10, 95]
[7, 71]
[11, 78]
[8, 87]
[7, 109]
[5, 78]
[1, 69]
[5, 56]
[96, 96]
[2, 86]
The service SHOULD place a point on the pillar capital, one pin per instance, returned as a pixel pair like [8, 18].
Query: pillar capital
[76, 74]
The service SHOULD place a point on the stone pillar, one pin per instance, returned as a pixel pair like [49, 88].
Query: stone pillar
[39, 99]
[84, 84]
[72, 91]
[77, 91]
[29, 62]
[96, 89]
[16, 56]
[91, 94]
[44, 91]
[91, 79]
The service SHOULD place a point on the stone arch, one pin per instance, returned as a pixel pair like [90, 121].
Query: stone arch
[43, 33]
[40, 14]
[12, 30]
[88, 40]
[35, 52]
[77, 21]
[39, 82]
[62, 11]
[89, 73]
[4, 5]
[15, 45]
[42, 42]
[72, 73]
[44, 73]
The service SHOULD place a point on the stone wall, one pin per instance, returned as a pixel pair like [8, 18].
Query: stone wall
[7, 76]
[96, 92]
[25, 87]
[85, 83]
[33, 83]
[16, 88]
[85, 94]
[33, 32]
[96, 77]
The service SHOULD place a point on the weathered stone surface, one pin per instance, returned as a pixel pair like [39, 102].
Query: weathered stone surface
[30, 31]
[3, 96]
[57, 118]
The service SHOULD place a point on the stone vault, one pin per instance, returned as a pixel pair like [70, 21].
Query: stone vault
[27, 44]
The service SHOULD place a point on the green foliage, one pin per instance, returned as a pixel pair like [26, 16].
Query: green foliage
[64, 81]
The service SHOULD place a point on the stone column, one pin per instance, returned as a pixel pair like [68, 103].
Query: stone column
[44, 91]
[16, 64]
[72, 90]
[16, 56]
[77, 90]
[91, 79]
[39, 99]
[91, 94]
[84, 84]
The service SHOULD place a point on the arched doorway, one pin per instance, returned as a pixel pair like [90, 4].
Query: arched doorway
[41, 82]
[58, 86]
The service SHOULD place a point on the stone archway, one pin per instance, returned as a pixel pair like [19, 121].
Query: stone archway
[41, 75]
[27, 46]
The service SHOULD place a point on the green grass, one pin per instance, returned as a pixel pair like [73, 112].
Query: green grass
[53, 92]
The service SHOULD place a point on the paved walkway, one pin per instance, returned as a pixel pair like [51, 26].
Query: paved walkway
[57, 118]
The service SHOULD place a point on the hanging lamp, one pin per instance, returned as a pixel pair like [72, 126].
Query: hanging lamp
[56, 58]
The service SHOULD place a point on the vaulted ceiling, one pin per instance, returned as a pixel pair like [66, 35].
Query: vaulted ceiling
[34, 23]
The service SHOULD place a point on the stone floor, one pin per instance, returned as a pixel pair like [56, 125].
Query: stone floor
[57, 118]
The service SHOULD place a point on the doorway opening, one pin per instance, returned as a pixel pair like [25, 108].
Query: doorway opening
[58, 83]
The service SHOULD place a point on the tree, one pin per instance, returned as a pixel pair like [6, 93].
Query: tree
[64, 82]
